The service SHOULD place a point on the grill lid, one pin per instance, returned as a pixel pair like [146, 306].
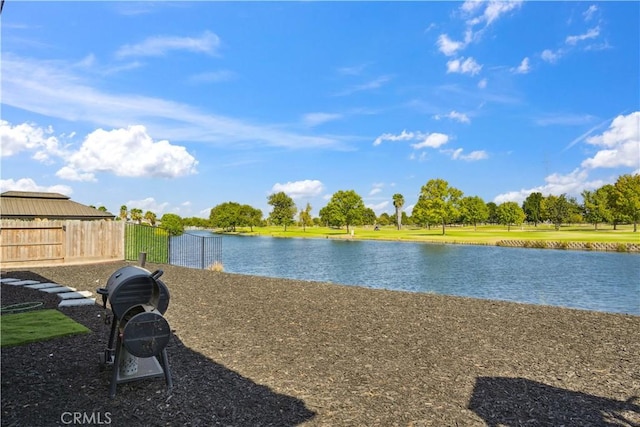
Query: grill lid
[131, 285]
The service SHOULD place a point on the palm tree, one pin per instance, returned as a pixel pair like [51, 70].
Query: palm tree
[150, 217]
[398, 202]
[123, 212]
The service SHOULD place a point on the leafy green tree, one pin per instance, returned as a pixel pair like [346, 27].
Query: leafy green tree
[345, 208]
[305, 217]
[325, 217]
[493, 213]
[398, 202]
[123, 212]
[369, 216]
[510, 213]
[384, 219]
[438, 203]
[172, 223]
[194, 221]
[473, 210]
[136, 215]
[532, 207]
[625, 198]
[556, 209]
[150, 217]
[284, 209]
[102, 209]
[248, 216]
[225, 215]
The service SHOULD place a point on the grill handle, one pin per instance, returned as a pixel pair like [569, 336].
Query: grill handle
[156, 274]
[104, 292]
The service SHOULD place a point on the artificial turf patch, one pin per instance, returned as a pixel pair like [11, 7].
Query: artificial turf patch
[38, 325]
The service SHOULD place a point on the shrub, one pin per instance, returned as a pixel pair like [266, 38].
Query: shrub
[216, 266]
[621, 247]
[563, 245]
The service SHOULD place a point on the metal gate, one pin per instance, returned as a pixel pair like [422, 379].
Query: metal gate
[186, 250]
[195, 251]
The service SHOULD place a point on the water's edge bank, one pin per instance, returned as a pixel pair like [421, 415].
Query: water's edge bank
[536, 244]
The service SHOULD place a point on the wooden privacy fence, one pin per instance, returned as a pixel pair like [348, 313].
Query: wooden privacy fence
[35, 243]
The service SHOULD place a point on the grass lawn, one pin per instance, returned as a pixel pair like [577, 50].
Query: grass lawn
[154, 241]
[37, 325]
[485, 234]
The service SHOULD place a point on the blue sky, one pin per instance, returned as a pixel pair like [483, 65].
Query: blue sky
[177, 107]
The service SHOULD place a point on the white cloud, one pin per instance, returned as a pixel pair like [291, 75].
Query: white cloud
[378, 207]
[482, 83]
[433, 140]
[572, 184]
[161, 45]
[620, 143]
[370, 85]
[403, 136]
[128, 152]
[470, 6]
[524, 67]
[564, 119]
[473, 156]
[454, 115]
[448, 46]
[464, 66]
[213, 77]
[70, 174]
[354, 70]
[299, 189]
[28, 137]
[487, 12]
[588, 14]
[423, 156]
[423, 140]
[496, 8]
[57, 89]
[592, 33]
[148, 204]
[28, 184]
[315, 119]
[377, 188]
[550, 56]
[457, 154]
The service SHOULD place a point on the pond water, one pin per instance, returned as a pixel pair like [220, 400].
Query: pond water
[599, 281]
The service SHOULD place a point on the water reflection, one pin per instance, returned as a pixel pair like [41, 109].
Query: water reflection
[587, 280]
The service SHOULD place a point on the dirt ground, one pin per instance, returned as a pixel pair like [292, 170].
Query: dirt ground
[255, 351]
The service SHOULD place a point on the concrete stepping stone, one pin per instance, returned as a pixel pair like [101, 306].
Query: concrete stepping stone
[42, 285]
[74, 295]
[22, 282]
[77, 302]
[8, 279]
[58, 289]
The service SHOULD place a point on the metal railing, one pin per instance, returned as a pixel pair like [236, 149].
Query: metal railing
[190, 250]
[186, 250]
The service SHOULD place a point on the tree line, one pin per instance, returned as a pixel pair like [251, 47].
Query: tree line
[438, 205]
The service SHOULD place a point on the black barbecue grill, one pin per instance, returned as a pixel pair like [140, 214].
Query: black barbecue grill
[138, 300]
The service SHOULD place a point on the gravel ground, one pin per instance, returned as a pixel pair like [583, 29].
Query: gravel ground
[255, 351]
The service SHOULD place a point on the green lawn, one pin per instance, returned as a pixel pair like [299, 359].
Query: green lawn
[486, 234]
[153, 241]
[37, 325]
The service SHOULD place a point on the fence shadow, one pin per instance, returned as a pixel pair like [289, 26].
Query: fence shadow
[502, 401]
[225, 397]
